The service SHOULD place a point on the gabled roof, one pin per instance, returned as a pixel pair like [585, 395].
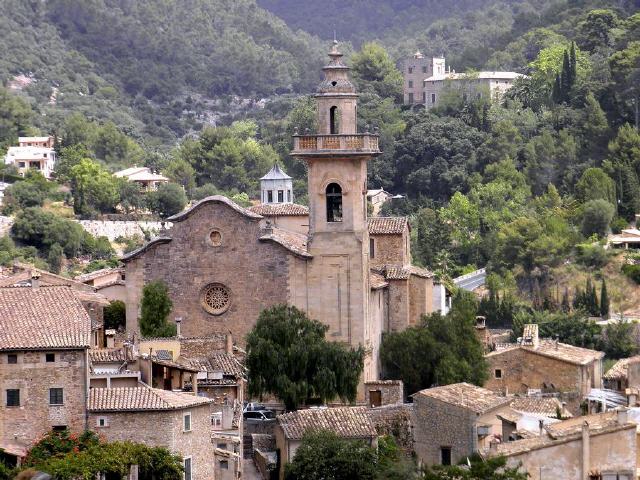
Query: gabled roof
[376, 281]
[87, 277]
[131, 171]
[464, 395]
[226, 363]
[47, 317]
[292, 241]
[141, 398]
[619, 369]
[547, 406]
[109, 355]
[276, 173]
[346, 422]
[553, 349]
[403, 272]
[387, 225]
[280, 209]
[179, 217]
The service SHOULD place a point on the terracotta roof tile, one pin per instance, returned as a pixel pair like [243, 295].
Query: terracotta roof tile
[547, 406]
[97, 274]
[294, 242]
[465, 395]
[109, 355]
[387, 225]
[399, 272]
[346, 422]
[41, 318]
[279, 209]
[551, 348]
[218, 362]
[141, 398]
[619, 370]
[377, 281]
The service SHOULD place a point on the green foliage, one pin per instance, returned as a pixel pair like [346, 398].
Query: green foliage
[182, 173]
[288, 356]
[15, 117]
[55, 258]
[573, 329]
[23, 194]
[154, 311]
[67, 456]
[490, 469]
[167, 200]
[632, 271]
[619, 340]
[596, 217]
[442, 350]
[373, 70]
[624, 164]
[595, 184]
[94, 189]
[322, 454]
[604, 300]
[115, 315]
[591, 255]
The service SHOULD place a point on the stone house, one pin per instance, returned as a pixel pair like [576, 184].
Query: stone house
[351, 423]
[45, 333]
[384, 392]
[617, 378]
[454, 421]
[181, 422]
[113, 368]
[377, 198]
[428, 80]
[223, 264]
[541, 365]
[596, 447]
[108, 282]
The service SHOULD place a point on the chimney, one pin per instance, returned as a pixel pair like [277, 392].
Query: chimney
[228, 347]
[622, 416]
[178, 322]
[111, 338]
[35, 280]
[586, 454]
[493, 446]
[541, 426]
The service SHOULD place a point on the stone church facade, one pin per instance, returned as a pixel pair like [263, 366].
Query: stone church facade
[224, 264]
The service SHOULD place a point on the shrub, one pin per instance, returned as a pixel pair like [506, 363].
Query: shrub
[591, 255]
[632, 271]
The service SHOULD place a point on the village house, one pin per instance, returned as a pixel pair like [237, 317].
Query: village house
[45, 333]
[143, 176]
[454, 421]
[178, 421]
[428, 80]
[534, 365]
[352, 423]
[595, 447]
[108, 282]
[235, 262]
[33, 153]
[113, 368]
[377, 198]
[530, 415]
[617, 377]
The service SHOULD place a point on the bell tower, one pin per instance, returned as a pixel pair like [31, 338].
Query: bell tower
[337, 157]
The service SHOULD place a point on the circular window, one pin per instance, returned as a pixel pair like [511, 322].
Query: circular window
[216, 298]
[215, 238]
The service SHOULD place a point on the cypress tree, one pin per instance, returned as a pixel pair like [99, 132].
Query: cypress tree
[565, 83]
[573, 64]
[595, 307]
[565, 306]
[556, 94]
[604, 300]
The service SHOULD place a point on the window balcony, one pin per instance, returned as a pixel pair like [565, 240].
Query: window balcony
[335, 145]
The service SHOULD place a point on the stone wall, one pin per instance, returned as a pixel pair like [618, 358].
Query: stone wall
[389, 249]
[396, 421]
[398, 305]
[164, 429]
[33, 376]
[439, 424]
[255, 273]
[522, 370]
[115, 229]
[392, 391]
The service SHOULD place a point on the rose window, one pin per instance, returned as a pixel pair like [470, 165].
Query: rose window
[216, 298]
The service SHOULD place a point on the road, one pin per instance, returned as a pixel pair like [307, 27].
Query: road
[472, 280]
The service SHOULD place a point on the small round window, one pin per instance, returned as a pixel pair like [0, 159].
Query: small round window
[215, 238]
[216, 298]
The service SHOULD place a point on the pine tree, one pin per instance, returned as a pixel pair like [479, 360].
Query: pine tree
[604, 300]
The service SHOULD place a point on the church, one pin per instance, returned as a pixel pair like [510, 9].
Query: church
[224, 264]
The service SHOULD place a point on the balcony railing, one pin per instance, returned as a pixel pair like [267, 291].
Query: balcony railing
[363, 142]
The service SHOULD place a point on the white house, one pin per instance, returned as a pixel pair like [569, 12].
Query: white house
[33, 153]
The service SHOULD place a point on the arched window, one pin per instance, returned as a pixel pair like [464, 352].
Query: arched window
[333, 120]
[334, 203]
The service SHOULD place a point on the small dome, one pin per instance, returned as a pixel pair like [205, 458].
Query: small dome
[276, 173]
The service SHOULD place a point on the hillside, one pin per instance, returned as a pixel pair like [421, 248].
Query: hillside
[149, 66]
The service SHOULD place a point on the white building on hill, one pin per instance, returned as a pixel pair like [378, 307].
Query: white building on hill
[33, 153]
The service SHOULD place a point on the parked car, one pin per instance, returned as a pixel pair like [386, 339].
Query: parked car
[259, 415]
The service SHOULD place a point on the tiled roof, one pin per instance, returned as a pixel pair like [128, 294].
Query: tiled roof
[44, 317]
[276, 209]
[465, 395]
[142, 397]
[97, 274]
[547, 406]
[276, 173]
[346, 422]
[292, 241]
[560, 351]
[109, 355]
[377, 281]
[387, 225]
[179, 217]
[218, 362]
[619, 370]
[397, 272]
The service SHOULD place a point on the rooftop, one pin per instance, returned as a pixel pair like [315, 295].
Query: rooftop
[464, 395]
[86, 277]
[376, 281]
[346, 422]
[226, 363]
[276, 173]
[560, 351]
[475, 75]
[619, 369]
[546, 406]
[141, 398]
[109, 355]
[279, 209]
[292, 241]
[387, 225]
[179, 217]
[397, 272]
[41, 318]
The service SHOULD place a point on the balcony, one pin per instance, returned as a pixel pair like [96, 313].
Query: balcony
[335, 145]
